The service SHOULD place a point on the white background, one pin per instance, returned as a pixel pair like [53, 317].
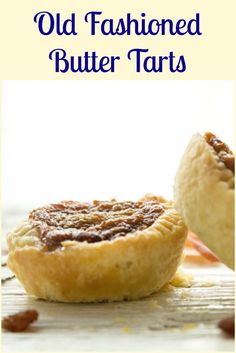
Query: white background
[99, 139]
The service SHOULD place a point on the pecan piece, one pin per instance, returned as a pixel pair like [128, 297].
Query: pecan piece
[20, 321]
[227, 325]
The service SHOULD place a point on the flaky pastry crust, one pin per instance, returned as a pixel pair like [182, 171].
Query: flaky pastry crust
[129, 267]
[204, 196]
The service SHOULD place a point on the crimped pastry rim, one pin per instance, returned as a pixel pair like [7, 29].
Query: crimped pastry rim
[168, 210]
[152, 230]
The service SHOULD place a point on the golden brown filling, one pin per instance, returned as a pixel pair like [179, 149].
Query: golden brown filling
[92, 222]
[224, 153]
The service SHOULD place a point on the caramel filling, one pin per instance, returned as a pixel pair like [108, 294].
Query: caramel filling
[92, 222]
[224, 153]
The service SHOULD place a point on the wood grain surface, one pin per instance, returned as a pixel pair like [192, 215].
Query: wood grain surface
[176, 319]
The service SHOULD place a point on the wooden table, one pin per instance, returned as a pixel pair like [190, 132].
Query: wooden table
[174, 320]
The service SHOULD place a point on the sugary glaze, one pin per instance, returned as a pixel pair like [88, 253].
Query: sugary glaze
[93, 222]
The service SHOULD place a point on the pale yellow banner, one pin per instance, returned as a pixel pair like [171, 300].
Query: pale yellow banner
[25, 51]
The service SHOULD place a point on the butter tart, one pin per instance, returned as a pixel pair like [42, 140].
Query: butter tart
[204, 193]
[100, 251]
